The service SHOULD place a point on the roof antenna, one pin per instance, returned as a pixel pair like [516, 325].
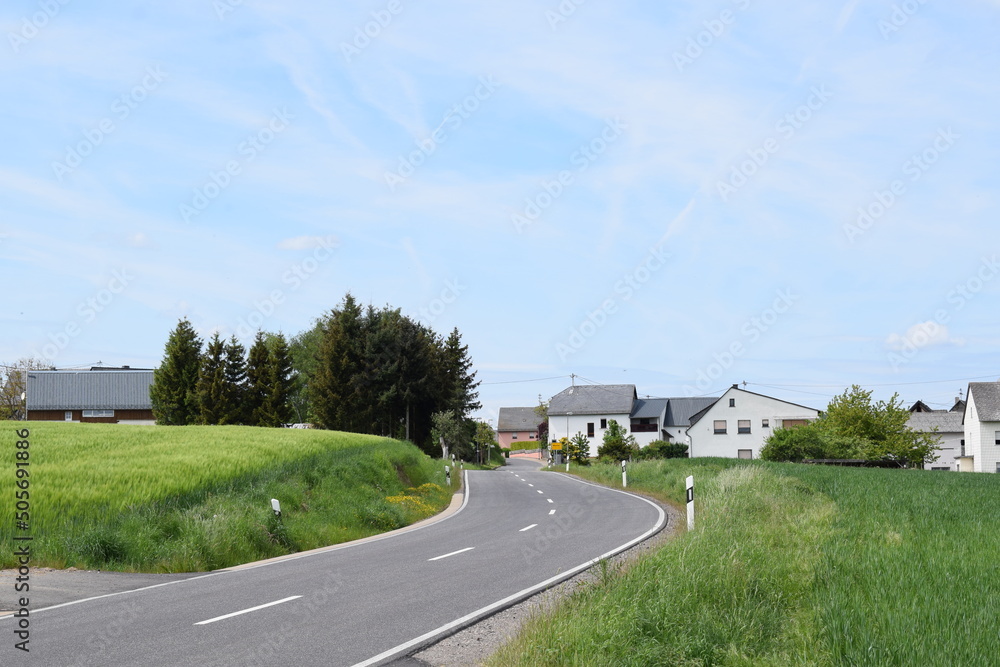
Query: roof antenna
[744, 385]
[572, 377]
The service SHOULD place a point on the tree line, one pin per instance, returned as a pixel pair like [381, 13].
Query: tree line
[363, 370]
[222, 383]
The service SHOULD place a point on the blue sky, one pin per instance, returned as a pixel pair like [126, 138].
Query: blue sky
[678, 195]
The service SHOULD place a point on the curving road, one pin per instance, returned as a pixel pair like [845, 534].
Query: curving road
[520, 530]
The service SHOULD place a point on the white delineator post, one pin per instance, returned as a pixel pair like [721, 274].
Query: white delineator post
[690, 502]
[624, 478]
[447, 475]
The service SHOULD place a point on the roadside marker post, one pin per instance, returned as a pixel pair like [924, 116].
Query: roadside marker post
[690, 501]
[447, 475]
[624, 477]
[276, 507]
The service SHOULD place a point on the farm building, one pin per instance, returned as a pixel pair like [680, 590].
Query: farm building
[107, 396]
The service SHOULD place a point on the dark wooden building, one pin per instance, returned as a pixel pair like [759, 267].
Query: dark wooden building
[100, 395]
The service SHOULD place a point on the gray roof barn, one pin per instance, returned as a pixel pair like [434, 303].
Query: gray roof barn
[593, 400]
[518, 419]
[946, 422]
[89, 390]
[987, 398]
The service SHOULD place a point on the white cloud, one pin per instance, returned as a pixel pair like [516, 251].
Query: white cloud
[305, 243]
[921, 335]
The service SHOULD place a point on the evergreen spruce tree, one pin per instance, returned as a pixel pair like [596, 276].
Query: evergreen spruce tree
[277, 405]
[234, 385]
[258, 383]
[211, 382]
[460, 382]
[173, 392]
[335, 401]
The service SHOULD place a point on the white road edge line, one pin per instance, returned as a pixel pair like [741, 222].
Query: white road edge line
[453, 553]
[310, 554]
[528, 528]
[527, 592]
[247, 611]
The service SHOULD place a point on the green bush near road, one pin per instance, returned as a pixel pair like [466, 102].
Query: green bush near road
[193, 498]
[792, 565]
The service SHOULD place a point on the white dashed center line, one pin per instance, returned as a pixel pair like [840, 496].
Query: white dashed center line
[451, 554]
[247, 611]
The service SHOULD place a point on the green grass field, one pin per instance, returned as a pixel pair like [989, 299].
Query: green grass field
[793, 565]
[193, 498]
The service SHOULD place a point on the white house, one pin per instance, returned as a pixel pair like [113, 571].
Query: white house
[589, 409]
[982, 428]
[736, 425]
[947, 425]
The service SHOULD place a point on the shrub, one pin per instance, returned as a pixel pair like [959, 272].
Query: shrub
[618, 445]
[662, 449]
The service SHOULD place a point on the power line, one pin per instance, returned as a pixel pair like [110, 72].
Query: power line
[886, 384]
[557, 377]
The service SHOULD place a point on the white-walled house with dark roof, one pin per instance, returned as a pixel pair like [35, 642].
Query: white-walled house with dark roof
[981, 422]
[588, 409]
[947, 425]
[736, 425]
[517, 425]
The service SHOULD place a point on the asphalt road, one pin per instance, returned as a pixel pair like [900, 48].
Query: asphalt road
[520, 530]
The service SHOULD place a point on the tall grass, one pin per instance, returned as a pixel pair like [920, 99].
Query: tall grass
[793, 564]
[198, 498]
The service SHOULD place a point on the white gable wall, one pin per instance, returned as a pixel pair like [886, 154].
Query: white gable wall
[753, 407]
[980, 439]
[566, 426]
[951, 449]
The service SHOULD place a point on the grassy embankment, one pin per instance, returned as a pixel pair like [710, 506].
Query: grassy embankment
[178, 499]
[793, 565]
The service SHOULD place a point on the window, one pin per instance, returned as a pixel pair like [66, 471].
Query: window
[513, 436]
[720, 426]
[590, 429]
[998, 466]
[764, 423]
[732, 402]
[940, 468]
[531, 436]
[996, 437]
[744, 454]
[604, 423]
[98, 413]
[743, 426]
